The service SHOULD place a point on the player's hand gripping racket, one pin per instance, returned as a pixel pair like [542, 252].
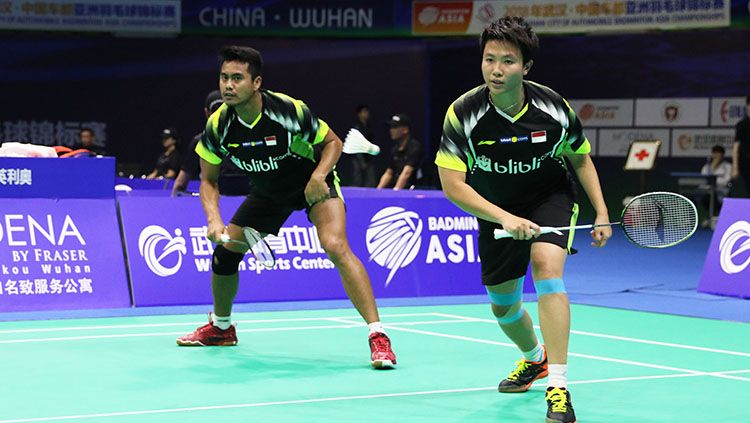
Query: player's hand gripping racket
[650, 220]
[254, 241]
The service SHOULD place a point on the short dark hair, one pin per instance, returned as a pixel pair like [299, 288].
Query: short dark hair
[241, 54]
[87, 129]
[361, 107]
[515, 30]
[718, 149]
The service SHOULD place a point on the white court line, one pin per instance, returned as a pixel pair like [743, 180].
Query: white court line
[321, 400]
[592, 357]
[156, 325]
[347, 325]
[615, 337]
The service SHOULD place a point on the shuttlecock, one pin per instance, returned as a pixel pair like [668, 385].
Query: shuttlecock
[356, 143]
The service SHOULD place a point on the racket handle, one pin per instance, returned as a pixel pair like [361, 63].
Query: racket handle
[502, 233]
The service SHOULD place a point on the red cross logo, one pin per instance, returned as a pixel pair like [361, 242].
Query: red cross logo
[641, 155]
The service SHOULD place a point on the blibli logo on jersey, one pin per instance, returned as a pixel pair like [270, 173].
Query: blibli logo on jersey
[256, 165]
[511, 167]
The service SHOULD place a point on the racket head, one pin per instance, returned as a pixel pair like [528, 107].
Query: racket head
[659, 219]
[259, 247]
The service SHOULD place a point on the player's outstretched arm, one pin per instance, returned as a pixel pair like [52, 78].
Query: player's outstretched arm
[209, 192]
[587, 175]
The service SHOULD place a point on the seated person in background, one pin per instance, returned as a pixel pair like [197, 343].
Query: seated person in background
[406, 155]
[232, 181]
[87, 141]
[168, 163]
[722, 169]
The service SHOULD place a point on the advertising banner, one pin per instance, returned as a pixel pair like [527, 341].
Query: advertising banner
[727, 111]
[604, 113]
[671, 112]
[413, 245]
[616, 142]
[140, 16]
[471, 17]
[60, 254]
[34, 177]
[726, 270]
[322, 18]
[698, 142]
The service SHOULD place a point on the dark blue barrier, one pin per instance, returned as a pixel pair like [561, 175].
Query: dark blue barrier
[57, 178]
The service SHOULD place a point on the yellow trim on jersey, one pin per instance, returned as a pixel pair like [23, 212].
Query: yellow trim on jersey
[449, 161]
[213, 121]
[585, 148]
[322, 132]
[521, 113]
[255, 122]
[207, 155]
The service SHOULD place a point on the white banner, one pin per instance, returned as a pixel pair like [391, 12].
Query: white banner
[604, 112]
[671, 112]
[698, 142]
[616, 142]
[467, 17]
[141, 16]
[727, 111]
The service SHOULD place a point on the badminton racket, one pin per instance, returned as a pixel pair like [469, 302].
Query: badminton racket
[650, 220]
[254, 241]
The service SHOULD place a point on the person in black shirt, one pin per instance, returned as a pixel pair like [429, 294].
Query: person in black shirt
[290, 156]
[363, 169]
[87, 141]
[741, 150]
[503, 158]
[168, 163]
[406, 155]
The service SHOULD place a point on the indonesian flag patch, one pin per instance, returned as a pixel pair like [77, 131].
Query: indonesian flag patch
[539, 136]
[270, 140]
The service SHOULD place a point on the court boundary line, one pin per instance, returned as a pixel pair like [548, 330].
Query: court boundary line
[331, 399]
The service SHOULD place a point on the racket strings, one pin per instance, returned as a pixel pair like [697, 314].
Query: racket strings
[659, 219]
[259, 247]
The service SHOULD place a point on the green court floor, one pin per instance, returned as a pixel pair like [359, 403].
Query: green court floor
[313, 366]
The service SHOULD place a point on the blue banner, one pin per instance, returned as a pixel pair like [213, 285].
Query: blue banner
[92, 177]
[324, 18]
[430, 250]
[60, 254]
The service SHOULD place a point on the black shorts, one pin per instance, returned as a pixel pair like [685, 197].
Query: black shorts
[506, 259]
[266, 213]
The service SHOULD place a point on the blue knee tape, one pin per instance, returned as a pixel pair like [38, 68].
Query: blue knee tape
[507, 299]
[549, 286]
[511, 317]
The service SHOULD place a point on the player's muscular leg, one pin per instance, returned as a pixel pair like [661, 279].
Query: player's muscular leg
[329, 217]
[506, 300]
[224, 286]
[547, 262]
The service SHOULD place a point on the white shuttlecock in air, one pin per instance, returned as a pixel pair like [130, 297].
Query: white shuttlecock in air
[356, 143]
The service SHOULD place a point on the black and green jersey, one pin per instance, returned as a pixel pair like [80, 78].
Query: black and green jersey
[276, 150]
[512, 160]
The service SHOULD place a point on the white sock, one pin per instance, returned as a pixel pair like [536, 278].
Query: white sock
[221, 322]
[376, 327]
[558, 375]
[534, 355]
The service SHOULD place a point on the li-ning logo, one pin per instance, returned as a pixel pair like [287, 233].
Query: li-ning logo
[736, 234]
[149, 242]
[393, 238]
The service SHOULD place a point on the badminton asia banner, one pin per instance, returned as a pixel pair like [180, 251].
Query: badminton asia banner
[571, 16]
[726, 270]
[412, 244]
[58, 254]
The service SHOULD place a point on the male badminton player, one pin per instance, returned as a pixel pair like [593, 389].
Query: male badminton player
[289, 155]
[512, 138]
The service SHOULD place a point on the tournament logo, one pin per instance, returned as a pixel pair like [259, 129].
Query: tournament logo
[156, 245]
[393, 238]
[734, 242]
